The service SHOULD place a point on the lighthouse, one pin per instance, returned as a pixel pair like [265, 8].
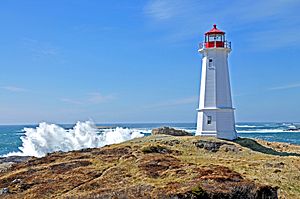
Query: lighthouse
[215, 113]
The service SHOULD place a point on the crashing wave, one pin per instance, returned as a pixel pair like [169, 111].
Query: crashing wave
[47, 138]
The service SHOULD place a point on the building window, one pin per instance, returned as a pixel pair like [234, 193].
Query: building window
[209, 118]
[210, 63]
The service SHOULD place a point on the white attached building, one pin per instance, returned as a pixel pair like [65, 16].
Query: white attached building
[215, 113]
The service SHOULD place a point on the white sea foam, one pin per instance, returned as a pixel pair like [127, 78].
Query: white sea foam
[47, 138]
[189, 130]
[144, 130]
[292, 127]
[247, 126]
[268, 131]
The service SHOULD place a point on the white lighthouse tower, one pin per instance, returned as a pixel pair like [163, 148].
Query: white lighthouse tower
[215, 113]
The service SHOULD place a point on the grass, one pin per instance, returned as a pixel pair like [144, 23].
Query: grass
[199, 192]
[254, 160]
[251, 162]
[255, 146]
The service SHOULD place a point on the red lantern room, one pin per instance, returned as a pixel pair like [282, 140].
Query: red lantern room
[215, 38]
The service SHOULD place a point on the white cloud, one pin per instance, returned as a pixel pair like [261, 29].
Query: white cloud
[89, 28]
[175, 102]
[163, 10]
[274, 23]
[99, 98]
[14, 89]
[90, 98]
[40, 49]
[285, 87]
[71, 101]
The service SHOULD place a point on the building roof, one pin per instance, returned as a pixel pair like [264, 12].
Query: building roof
[215, 30]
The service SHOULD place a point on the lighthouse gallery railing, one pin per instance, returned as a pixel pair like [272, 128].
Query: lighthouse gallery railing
[215, 44]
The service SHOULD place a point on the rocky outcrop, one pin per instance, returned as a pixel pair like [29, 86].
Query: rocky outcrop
[153, 167]
[7, 162]
[14, 159]
[215, 146]
[170, 131]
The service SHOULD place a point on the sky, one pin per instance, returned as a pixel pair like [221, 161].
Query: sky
[137, 61]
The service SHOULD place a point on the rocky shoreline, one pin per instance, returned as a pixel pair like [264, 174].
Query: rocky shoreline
[7, 162]
[159, 166]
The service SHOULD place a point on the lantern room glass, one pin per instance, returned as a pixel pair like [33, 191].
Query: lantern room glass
[214, 37]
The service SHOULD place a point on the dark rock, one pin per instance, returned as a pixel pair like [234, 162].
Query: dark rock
[7, 163]
[230, 148]
[213, 146]
[155, 149]
[4, 191]
[268, 164]
[293, 129]
[5, 166]
[277, 171]
[16, 181]
[279, 165]
[171, 142]
[14, 159]
[170, 131]
[267, 192]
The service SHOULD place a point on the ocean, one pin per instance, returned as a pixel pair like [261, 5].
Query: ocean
[38, 140]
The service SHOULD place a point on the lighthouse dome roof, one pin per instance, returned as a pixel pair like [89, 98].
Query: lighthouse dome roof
[215, 30]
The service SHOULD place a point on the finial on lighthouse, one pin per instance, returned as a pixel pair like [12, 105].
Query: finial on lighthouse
[215, 113]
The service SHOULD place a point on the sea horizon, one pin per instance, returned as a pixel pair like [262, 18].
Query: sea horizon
[39, 139]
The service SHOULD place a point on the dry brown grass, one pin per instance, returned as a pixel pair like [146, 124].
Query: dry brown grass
[159, 164]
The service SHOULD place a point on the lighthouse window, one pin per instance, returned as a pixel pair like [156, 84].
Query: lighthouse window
[210, 63]
[209, 119]
[212, 38]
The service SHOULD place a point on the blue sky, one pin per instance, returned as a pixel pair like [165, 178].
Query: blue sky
[137, 61]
